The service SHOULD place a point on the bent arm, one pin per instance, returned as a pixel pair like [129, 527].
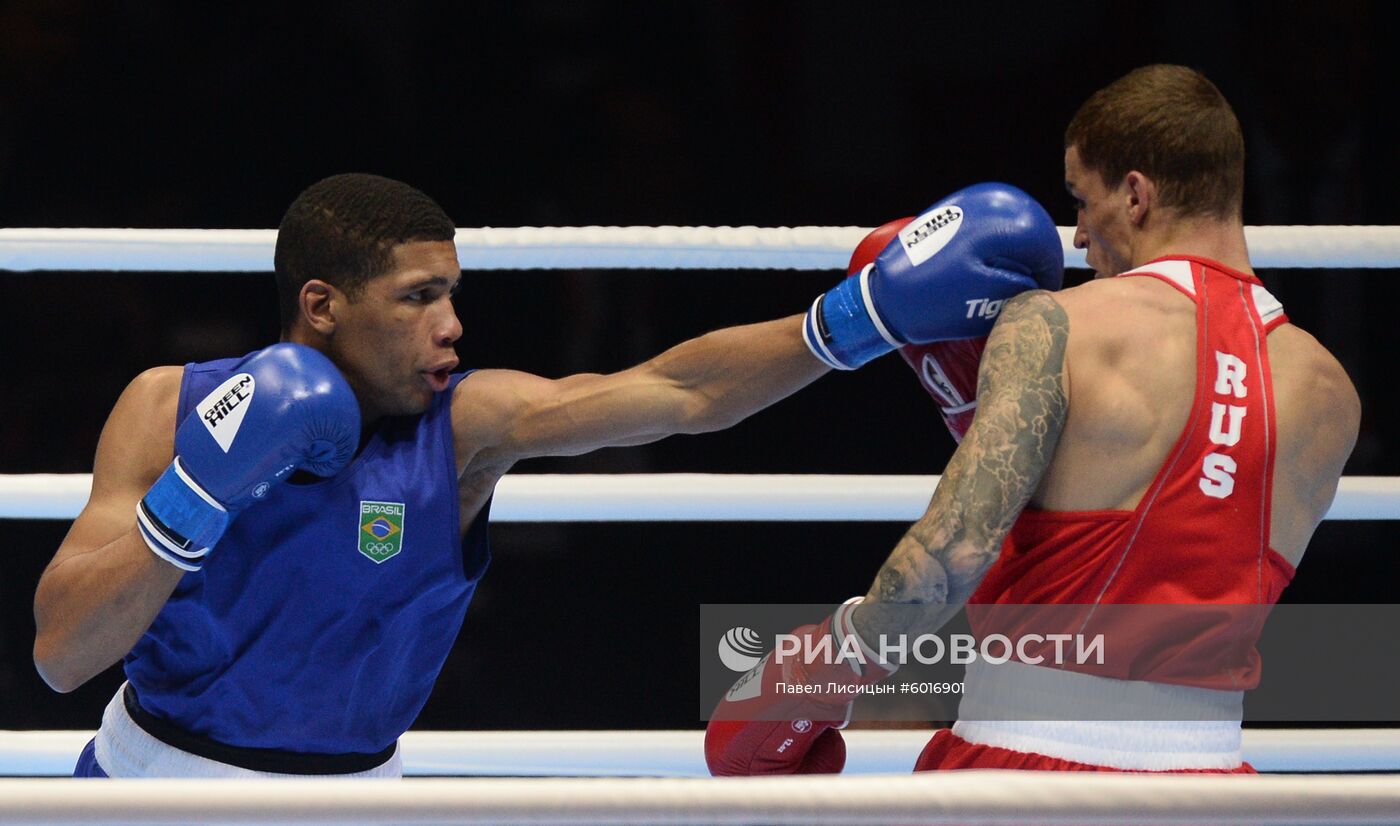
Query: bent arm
[1022, 405]
[708, 383]
[103, 588]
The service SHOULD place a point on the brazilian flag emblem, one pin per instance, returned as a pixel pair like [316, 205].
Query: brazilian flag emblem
[381, 529]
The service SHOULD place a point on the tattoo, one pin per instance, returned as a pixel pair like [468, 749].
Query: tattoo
[1021, 409]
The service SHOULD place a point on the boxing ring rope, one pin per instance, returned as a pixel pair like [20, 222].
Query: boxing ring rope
[681, 753]
[696, 497]
[953, 797]
[518, 248]
[882, 793]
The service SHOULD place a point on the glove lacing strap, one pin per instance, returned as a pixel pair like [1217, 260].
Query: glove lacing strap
[813, 338]
[842, 327]
[164, 541]
[842, 628]
[889, 337]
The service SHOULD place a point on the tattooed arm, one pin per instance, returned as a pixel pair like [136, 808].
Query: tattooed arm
[1021, 411]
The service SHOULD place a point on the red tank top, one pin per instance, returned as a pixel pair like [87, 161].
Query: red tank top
[1200, 535]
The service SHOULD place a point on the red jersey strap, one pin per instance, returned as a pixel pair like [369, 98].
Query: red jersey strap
[1177, 271]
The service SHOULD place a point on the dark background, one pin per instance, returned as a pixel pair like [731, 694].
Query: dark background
[172, 114]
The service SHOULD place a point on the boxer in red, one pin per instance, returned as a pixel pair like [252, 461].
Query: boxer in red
[1161, 435]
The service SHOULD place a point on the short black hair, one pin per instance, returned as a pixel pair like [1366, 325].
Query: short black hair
[343, 229]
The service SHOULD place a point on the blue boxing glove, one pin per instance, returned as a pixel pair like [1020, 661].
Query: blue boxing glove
[945, 276]
[286, 407]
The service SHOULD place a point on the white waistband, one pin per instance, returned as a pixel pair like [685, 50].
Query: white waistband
[1018, 691]
[1098, 720]
[124, 749]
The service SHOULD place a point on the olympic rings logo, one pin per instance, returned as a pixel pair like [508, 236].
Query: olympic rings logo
[379, 547]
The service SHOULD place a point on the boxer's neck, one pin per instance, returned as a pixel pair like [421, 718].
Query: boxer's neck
[1212, 238]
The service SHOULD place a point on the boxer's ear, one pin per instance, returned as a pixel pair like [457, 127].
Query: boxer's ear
[1140, 196]
[320, 303]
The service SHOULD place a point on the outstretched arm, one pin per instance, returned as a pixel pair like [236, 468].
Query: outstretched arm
[1022, 404]
[940, 279]
[708, 383]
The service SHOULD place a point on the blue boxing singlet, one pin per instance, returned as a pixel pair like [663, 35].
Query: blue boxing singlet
[322, 618]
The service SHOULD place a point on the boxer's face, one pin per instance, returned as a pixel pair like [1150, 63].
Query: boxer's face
[1103, 226]
[394, 342]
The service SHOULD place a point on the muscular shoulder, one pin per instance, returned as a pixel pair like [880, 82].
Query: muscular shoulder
[483, 404]
[1129, 362]
[490, 406]
[1311, 386]
[1297, 351]
[1121, 306]
[148, 404]
[156, 386]
[1126, 324]
[1026, 350]
[1319, 415]
[138, 440]
[1035, 310]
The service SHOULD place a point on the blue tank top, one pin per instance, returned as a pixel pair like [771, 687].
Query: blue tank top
[322, 618]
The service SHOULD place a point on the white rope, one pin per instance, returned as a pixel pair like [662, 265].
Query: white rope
[517, 248]
[951, 797]
[681, 753]
[698, 497]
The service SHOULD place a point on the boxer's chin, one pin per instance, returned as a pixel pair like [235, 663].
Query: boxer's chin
[412, 401]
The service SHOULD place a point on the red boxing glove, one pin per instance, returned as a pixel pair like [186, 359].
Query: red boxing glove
[799, 731]
[873, 244]
[946, 369]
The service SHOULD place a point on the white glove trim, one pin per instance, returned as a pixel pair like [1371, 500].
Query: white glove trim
[870, 307]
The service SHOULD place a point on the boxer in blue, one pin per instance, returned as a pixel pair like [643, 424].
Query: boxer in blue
[282, 546]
